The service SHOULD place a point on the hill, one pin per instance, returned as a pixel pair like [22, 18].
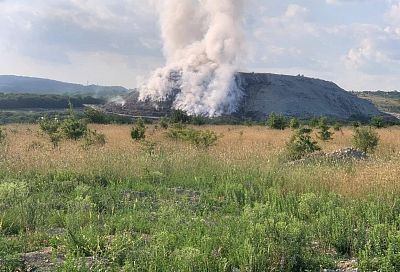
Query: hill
[265, 93]
[385, 101]
[21, 84]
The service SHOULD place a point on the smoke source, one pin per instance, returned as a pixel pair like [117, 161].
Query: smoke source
[202, 46]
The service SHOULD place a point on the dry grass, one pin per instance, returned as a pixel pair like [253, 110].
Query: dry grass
[27, 149]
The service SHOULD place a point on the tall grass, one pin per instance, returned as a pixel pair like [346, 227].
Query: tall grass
[234, 207]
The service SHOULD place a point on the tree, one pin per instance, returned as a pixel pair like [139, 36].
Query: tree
[138, 132]
[324, 134]
[72, 127]
[276, 121]
[365, 139]
[294, 123]
[179, 116]
[301, 144]
[377, 122]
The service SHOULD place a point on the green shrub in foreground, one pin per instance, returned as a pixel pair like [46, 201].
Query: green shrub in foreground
[365, 139]
[276, 121]
[198, 138]
[301, 144]
[138, 132]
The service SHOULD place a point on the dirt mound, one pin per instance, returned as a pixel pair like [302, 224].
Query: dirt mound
[265, 93]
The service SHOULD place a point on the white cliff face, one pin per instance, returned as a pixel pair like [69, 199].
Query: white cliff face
[299, 96]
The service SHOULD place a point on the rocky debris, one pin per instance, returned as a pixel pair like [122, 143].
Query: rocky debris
[42, 260]
[347, 153]
[265, 93]
[338, 155]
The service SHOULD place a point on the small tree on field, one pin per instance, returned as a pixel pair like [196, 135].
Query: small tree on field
[52, 127]
[72, 127]
[139, 130]
[163, 123]
[337, 127]
[301, 144]
[294, 123]
[276, 121]
[179, 116]
[2, 135]
[377, 121]
[324, 134]
[365, 139]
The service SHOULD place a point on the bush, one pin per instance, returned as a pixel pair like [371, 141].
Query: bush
[49, 126]
[276, 121]
[377, 122]
[314, 122]
[2, 135]
[198, 138]
[294, 123]
[301, 144]
[138, 132]
[365, 139]
[163, 123]
[337, 127]
[324, 134]
[73, 128]
[94, 138]
[179, 116]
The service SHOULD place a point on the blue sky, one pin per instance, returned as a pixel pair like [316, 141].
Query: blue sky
[355, 43]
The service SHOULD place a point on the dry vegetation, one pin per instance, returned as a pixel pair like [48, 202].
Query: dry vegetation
[227, 185]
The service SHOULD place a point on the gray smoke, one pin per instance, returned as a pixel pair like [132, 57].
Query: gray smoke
[203, 43]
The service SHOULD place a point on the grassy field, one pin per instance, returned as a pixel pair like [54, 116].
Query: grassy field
[169, 206]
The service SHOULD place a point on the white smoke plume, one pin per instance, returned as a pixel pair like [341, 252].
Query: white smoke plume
[203, 43]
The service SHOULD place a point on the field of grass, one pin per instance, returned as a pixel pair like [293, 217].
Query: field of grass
[169, 206]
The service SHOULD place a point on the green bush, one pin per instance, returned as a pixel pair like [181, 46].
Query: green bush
[3, 135]
[199, 138]
[49, 125]
[94, 138]
[324, 134]
[276, 121]
[138, 132]
[163, 123]
[73, 128]
[179, 116]
[365, 139]
[377, 122]
[301, 144]
[337, 127]
[294, 123]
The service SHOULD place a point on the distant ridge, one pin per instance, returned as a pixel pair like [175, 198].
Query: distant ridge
[22, 84]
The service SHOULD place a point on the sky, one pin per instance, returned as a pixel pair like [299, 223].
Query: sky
[355, 43]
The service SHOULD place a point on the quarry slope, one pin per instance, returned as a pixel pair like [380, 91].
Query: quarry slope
[265, 93]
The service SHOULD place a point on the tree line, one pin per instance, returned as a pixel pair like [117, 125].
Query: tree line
[32, 101]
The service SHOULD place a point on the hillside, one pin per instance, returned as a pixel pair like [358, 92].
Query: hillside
[20, 84]
[265, 93]
[385, 101]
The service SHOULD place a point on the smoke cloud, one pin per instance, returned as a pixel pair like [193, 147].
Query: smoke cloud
[203, 43]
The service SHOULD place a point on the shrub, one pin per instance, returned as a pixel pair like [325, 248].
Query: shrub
[324, 134]
[198, 138]
[276, 121]
[2, 135]
[365, 139]
[49, 126]
[94, 138]
[314, 122]
[294, 123]
[73, 128]
[179, 116]
[96, 117]
[337, 127]
[163, 123]
[377, 122]
[139, 130]
[301, 144]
